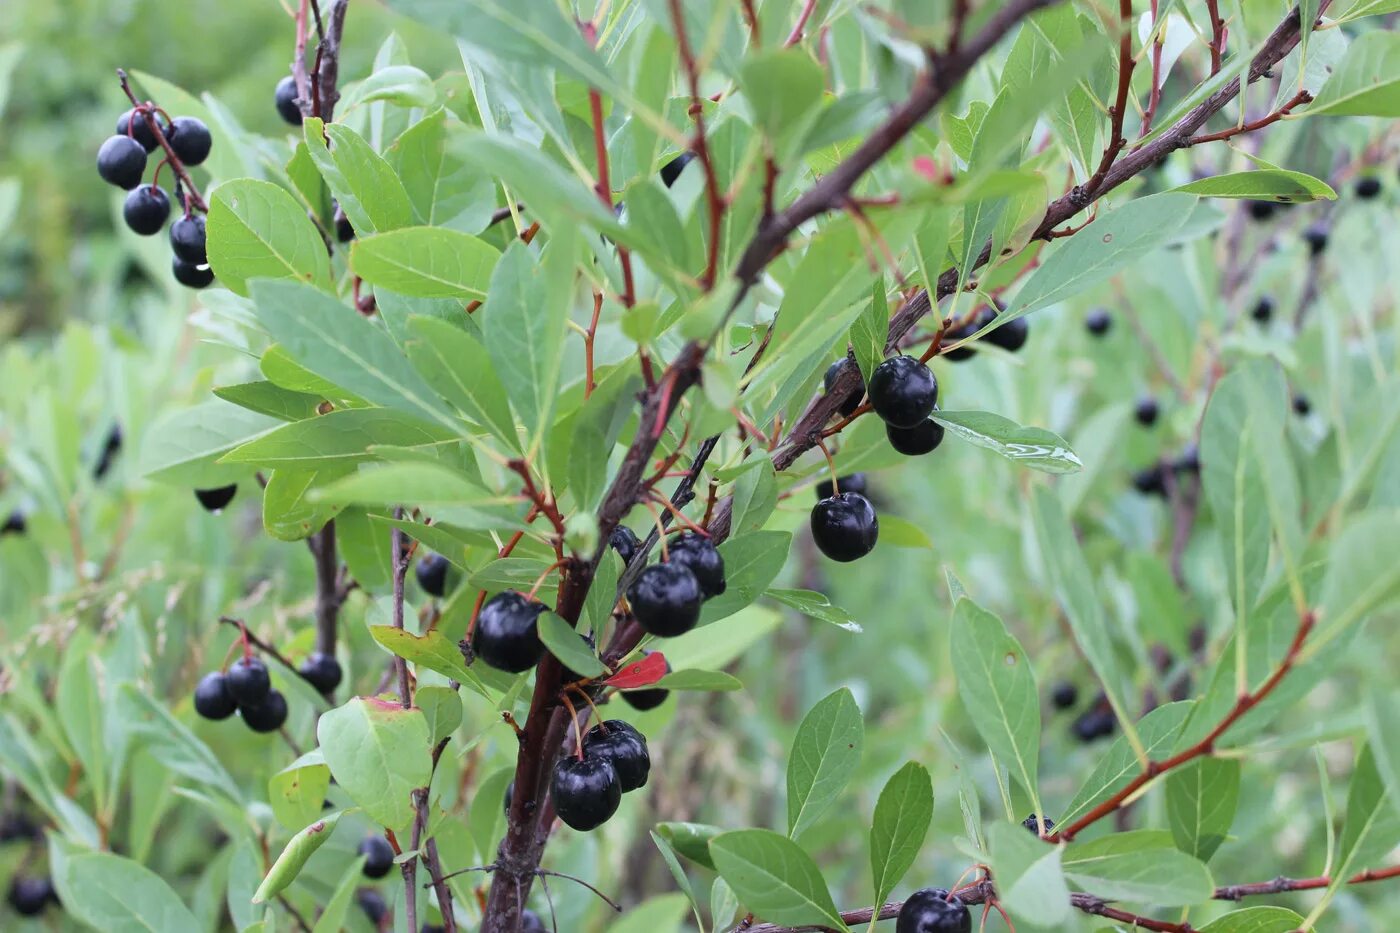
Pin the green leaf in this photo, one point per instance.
(1201, 802)
(774, 878)
(1120, 765)
(825, 753)
(691, 840)
(399, 84)
(1366, 83)
(897, 831)
(298, 849)
(183, 447)
(755, 495)
(442, 707)
(1256, 920)
(998, 690)
(289, 512)
(443, 190)
(1030, 882)
(868, 333)
(298, 790)
(751, 563)
(426, 262)
(815, 605)
(660, 914)
(1362, 575)
(705, 681)
(1372, 826)
(111, 893)
(782, 87)
(364, 185)
(1036, 448)
(713, 646)
(456, 364)
(565, 644)
(432, 650)
(332, 918)
(378, 753)
(1142, 866)
(341, 437)
(443, 491)
(270, 399)
(258, 231)
(901, 532)
(1274, 184)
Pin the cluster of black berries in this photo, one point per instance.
(245, 688)
(122, 162)
(933, 910)
(666, 597)
(587, 787)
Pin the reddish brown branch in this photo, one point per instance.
(699, 143)
(1302, 97)
(1126, 63)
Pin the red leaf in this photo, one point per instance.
(640, 673)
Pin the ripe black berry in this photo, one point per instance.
(530, 922)
(379, 856)
(1264, 310)
(1189, 461)
(1099, 321)
(373, 904)
(1094, 724)
(187, 239)
(121, 161)
(111, 446)
(29, 896)
(267, 716)
(912, 442)
(845, 527)
(1262, 210)
(287, 105)
(506, 637)
(625, 542)
(322, 671)
(141, 132)
(699, 554)
(1146, 411)
(1033, 825)
(649, 697)
(1316, 238)
(903, 391)
(190, 139)
(15, 524)
(933, 910)
(1012, 335)
(666, 599)
(432, 574)
(672, 170)
(586, 791)
(1150, 481)
(212, 699)
(216, 499)
(1064, 695)
(978, 321)
(248, 681)
(620, 743)
(1301, 405)
(191, 276)
(146, 210)
(849, 406)
(1368, 187)
(18, 826)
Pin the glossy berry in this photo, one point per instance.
(248, 681)
(530, 922)
(699, 554)
(1033, 825)
(190, 275)
(1316, 238)
(903, 391)
(506, 637)
(1368, 187)
(845, 527)
(913, 442)
(625, 542)
(322, 671)
(190, 139)
(379, 856)
(620, 743)
(216, 499)
(146, 210)
(648, 697)
(586, 791)
(141, 132)
(373, 904)
(981, 319)
(1146, 411)
(432, 574)
(344, 230)
(1064, 695)
(1012, 335)
(267, 716)
(1301, 405)
(849, 406)
(15, 523)
(672, 170)
(666, 599)
(856, 482)
(121, 161)
(1263, 311)
(933, 910)
(1098, 321)
(212, 699)
(29, 896)
(1150, 481)
(1094, 724)
(1262, 210)
(111, 446)
(187, 239)
(286, 96)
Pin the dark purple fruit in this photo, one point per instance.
(379, 856)
(586, 791)
(903, 391)
(1099, 321)
(530, 922)
(141, 132)
(267, 716)
(212, 698)
(1094, 724)
(1262, 210)
(190, 275)
(1301, 405)
(1189, 460)
(981, 319)
(1034, 826)
(849, 406)
(648, 697)
(432, 574)
(286, 97)
(29, 896)
(111, 446)
(620, 743)
(248, 681)
(121, 161)
(1146, 411)
(913, 442)
(1012, 335)
(146, 210)
(15, 524)
(666, 599)
(1368, 187)
(698, 553)
(933, 910)
(1064, 695)
(373, 904)
(506, 636)
(188, 241)
(322, 671)
(1263, 310)
(672, 169)
(856, 482)
(1316, 238)
(215, 499)
(190, 139)
(845, 527)
(625, 542)
(1150, 481)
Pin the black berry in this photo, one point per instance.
(190, 139)
(1368, 187)
(620, 743)
(379, 856)
(672, 170)
(216, 499)
(322, 671)
(648, 697)
(506, 636)
(1263, 311)
(29, 896)
(981, 319)
(903, 391)
(1064, 695)
(1189, 461)
(1099, 321)
(248, 681)
(625, 542)
(15, 524)
(121, 161)
(1094, 724)
(267, 716)
(1316, 238)
(933, 910)
(111, 446)
(1012, 335)
(699, 554)
(849, 406)
(191, 276)
(845, 527)
(373, 904)
(287, 104)
(586, 791)
(432, 574)
(666, 599)
(18, 826)
(141, 132)
(212, 699)
(530, 922)
(344, 230)
(1034, 826)
(1146, 411)
(912, 442)
(146, 210)
(1150, 481)
(1262, 210)
(187, 239)
(1301, 405)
